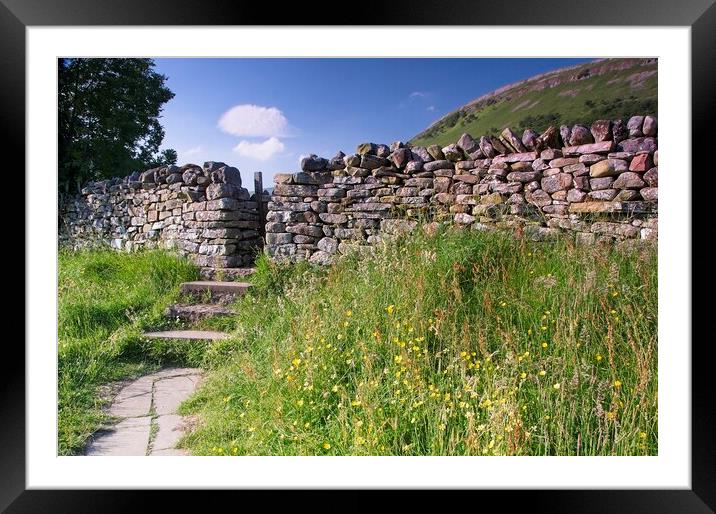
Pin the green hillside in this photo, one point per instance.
(608, 88)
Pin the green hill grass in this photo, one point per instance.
(604, 89)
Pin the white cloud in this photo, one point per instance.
(431, 108)
(259, 151)
(416, 97)
(254, 121)
(192, 151)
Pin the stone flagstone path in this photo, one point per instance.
(149, 423)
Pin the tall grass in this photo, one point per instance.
(460, 343)
(105, 300)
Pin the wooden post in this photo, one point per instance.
(259, 194)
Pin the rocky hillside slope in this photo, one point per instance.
(602, 89)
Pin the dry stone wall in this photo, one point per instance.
(597, 182)
(201, 211)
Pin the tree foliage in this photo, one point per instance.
(109, 113)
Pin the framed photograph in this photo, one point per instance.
(417, 251)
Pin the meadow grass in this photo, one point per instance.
(105, 300)
(457, 343)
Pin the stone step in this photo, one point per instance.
(192, 335)
(225, 273)
(195, 312)
(215, 287)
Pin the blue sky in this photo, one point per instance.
(264, 114)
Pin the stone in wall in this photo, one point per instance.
(546, 184)
(201, 211)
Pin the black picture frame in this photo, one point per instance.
(17, 15)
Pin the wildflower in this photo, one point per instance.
(544, 345)
(502, 304)
(599, 357)
(349, 313)
(326, 446)
(556, 386)
(296, 362)
(642, 435)
(299, 403)
(523, 375)
(334, 388)
(542, 373)
(360, 441)
(610, 415)
(617, 383)
(389, 309)
(441, 426)
(398, 359)
(356, 403)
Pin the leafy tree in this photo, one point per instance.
(109, 113)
